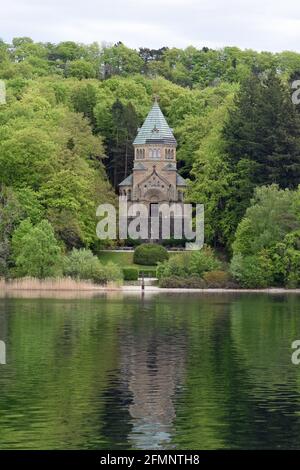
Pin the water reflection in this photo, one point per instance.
(163, 371)
(152, 369)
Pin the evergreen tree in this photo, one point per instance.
(120, 149)
(261, 142)
(264, 128)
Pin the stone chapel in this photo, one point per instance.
(154, 178)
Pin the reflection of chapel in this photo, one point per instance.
(154, 178)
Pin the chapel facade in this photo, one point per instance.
(154, 178)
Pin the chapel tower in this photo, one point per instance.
(154, 178)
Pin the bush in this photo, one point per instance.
(285, 257)
(132, 242)
(130, 274)
(252, 271)
(82, 264)
(174, 243)
(186, 264)
(178, 282)
(149, 254)
(216, 279)
(109, 272)
(203, 261)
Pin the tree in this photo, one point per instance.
(80, 69)
(120, 60)
(120, 149)
(264, 128)
(84, 100)
(267, 240)
(36, 250)
(271, 215)
(82, 264)
(285, 257)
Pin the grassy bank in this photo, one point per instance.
(125, 259)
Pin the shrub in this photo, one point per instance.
(130, 274)
(285, 258)
(149, 254)
(82, 264)
(111, 272)
(174, 242)
(203, 261)
(133, 242)
(216, 279)
(186, 264)
(177, 265)
(252, 271)
(178, 282)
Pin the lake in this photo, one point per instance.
(166, 371)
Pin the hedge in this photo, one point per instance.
(130, 274)
(149, 254)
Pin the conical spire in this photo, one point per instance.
(155, 128)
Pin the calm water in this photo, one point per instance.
(163, 372)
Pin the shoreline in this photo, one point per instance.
(148, 289)
(71, 286)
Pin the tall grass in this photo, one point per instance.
(66, 283)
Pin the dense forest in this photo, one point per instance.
(72, 111)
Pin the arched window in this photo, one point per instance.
(169, 154)
(154, 153)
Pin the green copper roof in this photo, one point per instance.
(155, 129)
(179, 180)
(127, 181)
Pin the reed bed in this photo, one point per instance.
(66, 283)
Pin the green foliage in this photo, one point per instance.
(82, 264)
(270, 217)
(80, 69)
(35, 250)
(202, 261)
(15, 206)
(254, 141)
(187, 264)
(255, 271)
(149, 254)
(173, 282)
(285, 258)
(130, 274)
(216, 279)
(53, 162)
(266, 246)
(174, 243)
(63, 131)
